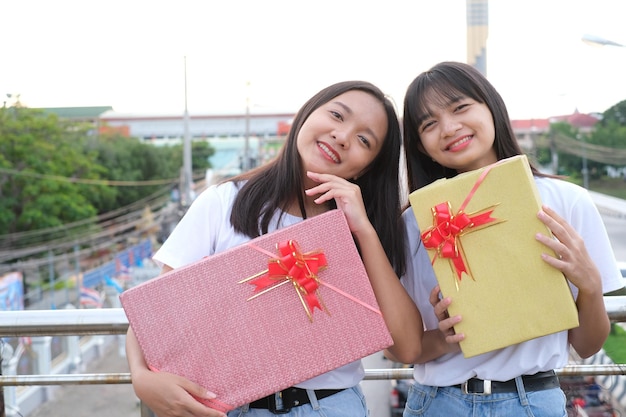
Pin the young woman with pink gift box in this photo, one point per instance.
(455, 121)
(342, 152)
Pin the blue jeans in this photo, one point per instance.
(427, 401)
(347, 403)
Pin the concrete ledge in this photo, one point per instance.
(609, 205)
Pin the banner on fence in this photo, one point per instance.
(11, 292)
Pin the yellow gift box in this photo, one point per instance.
(479, 228)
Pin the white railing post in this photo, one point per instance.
(43, 356)
(72, 347)
(43, 360)
(9, 400)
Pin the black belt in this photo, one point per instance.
(291, 397)
(537, 382)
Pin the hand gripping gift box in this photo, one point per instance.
(479, 229)
(258, 318)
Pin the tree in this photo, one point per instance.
(616, 113)
(54, 172)
(37, 163)
(562, 139)
(604, 146)
(130, 159)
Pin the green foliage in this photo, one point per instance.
(610, 134)
(35, 148)
(615, 114)
(543, 155)
(569, 164)
(615, 187)
(615, 345)
(200, 154)
(129, 159)
(604, 146)
(55, 172)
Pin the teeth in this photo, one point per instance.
(329, 152)
(465, 139)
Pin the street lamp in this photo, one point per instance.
(246, 148)
(186, 177)
(598, 41)
(585, 170)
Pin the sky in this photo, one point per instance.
(158, 57)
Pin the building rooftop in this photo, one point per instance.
(78, 112)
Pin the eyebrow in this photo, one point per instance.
(449, 101)
(349, 111)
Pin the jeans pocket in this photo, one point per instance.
(418, 399)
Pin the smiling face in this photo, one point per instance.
(343, 136)
(458, 133)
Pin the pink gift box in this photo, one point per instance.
(199, 321)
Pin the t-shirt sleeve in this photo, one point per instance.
(195, 234)
(419, 278)
(586, 219)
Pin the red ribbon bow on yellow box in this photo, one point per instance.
(444, 235)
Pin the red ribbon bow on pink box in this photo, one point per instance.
(296, 267)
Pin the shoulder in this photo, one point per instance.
(222, 194)
(556, 185)
(410, 222)
(563, 196)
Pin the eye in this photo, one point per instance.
(364, 140)
(336, 114)
(462, 106)
(426, 125)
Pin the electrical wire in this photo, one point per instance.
(113, 183)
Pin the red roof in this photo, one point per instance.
(540, 124)
(577, 120)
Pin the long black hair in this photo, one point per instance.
(446, 81)
(273, 186)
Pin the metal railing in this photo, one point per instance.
(113, 321)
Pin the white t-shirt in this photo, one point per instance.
(571, 202)
(205, 229)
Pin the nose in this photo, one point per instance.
(341, 137)
(450, 126)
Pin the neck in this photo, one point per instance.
(311, 208)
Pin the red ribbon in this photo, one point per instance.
(299, 268)
(445, 233)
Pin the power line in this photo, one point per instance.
(603, 154)
(113, 183)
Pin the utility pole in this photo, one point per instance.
(186, 174)
(246, 147)
(585, 170)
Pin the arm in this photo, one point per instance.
(578, 267)
(399, 312)
(167, 395)
(438, 342)
(398, 309)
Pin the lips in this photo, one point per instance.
(329, 152)
(461, 143)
